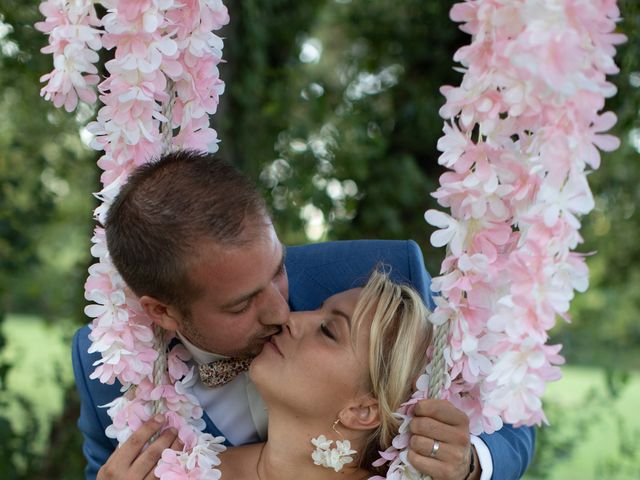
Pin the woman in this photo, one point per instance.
(332, 378)
(349, 364)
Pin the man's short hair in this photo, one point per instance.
(166, 210)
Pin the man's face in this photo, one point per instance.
(243, 294)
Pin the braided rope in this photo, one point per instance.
(167, 111)
(160, 365)
(160, 335)
(438, 366)
(438, 363)
(159, 370)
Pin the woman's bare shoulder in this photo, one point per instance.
(240, 462)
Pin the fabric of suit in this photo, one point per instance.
(315, 273)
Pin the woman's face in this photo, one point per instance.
(313, 366)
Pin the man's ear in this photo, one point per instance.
(161, 314)
(361, 414)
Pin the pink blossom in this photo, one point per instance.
(73, 41)
(176, 359)
(154, 40)
(520, 130)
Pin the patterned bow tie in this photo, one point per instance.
(220, 372)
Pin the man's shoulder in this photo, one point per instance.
(83, 366)
(317, 271)
(81, 339)
(365, 251)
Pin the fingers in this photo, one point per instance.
(129, 450)
(436, 469)
(446, 452)
(161, 444)
(146, 462)
(177, 444)
(441, 410)
(130, 462)
(439, 420)
(436, 430)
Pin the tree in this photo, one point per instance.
(332, 106)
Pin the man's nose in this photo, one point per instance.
(276, 308)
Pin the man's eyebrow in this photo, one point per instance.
(248, 296)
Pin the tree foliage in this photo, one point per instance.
(331, 105)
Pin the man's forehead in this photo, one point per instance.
(254, 234)
(226, 273)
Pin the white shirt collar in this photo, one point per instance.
(199, 356)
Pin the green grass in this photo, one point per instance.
(603, 418)
(577, 405)
(41, 357)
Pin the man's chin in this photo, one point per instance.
(254, 349)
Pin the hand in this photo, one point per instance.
(439, 420)
(129, 462)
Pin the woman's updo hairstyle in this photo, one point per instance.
(399, 338)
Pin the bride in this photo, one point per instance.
(332, 380)
(339, 372)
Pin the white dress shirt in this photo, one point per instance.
(235, 408)
(484, 457)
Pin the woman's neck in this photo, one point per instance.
(287, 453)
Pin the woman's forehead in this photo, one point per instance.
(345, 301)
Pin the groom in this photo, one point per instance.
(193, 239)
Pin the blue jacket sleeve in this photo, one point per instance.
(97, 447)
(511, 451)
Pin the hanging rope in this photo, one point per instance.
(167, 112)
(438, 365)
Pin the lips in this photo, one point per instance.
(272, 342)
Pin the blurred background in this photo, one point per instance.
(331, 106)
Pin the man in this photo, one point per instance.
(193, 239)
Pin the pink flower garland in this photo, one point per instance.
(520, 135)
(74, 39)
(520, 132)
(164, 70)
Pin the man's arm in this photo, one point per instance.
(511, 450)
(97, 447)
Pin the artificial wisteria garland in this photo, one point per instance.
(163, 84)
(520, 133)
(520, 137)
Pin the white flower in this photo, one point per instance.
(328, 457)
(452, 232)
(452, 145)
(512, 366)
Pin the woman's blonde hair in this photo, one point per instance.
(399, 338)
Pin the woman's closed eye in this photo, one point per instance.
(327, 331)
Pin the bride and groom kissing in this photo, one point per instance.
(332, 349)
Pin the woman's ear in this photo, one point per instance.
(362, 414)
(161, 314)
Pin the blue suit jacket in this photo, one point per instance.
(315, 273)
